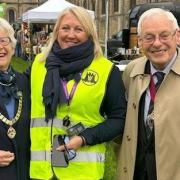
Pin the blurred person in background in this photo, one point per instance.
(19, 38)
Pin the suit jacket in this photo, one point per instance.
(145, 164)
(20, 145)
(166, 121)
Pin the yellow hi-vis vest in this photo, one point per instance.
(84, 107)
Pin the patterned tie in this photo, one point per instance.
(149, 120)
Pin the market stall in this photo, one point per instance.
(48, 12)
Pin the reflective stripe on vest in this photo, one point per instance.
(80, 156)
(57, 123)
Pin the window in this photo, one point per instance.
(93, 5)
(103, 6)
(116, 5)
(11, 16)
(84, 4)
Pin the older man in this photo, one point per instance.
(150, 147)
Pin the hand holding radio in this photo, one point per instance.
(67, 145)
(74, 143)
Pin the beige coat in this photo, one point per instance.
(166, 121)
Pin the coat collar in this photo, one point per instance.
(176, 65)
(140, 66)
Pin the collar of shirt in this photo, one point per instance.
(167, 68)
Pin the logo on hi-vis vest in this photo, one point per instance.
(90, 78)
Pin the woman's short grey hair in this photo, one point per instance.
(6, 27)
(157, 12)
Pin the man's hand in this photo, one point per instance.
(6, 157)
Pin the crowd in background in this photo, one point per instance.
(30, 43)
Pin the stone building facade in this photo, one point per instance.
(15, 8)
(118, 12)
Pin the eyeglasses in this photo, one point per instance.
(163, 37)
(4, 41)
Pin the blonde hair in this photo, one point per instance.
(88, 24)
(6, 27)
(157, 12)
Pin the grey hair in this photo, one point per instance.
(88, 24)
(5, 26)
(157, 12)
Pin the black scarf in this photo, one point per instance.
(8, 86)
(64, 63)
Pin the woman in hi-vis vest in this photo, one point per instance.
(14, 112)
(78, 102)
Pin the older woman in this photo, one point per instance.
(14, 112)
(78, 92)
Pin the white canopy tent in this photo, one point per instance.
(47, 12)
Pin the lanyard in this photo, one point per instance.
(71, 94)
(152, 89)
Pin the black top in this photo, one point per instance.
(20, 145)
(113, 108)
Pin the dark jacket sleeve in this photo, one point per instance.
(113, 108)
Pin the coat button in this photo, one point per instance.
(128, 137)
(125, 169)
(134, 105)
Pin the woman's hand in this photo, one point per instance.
(74, 143)
(6, 157)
